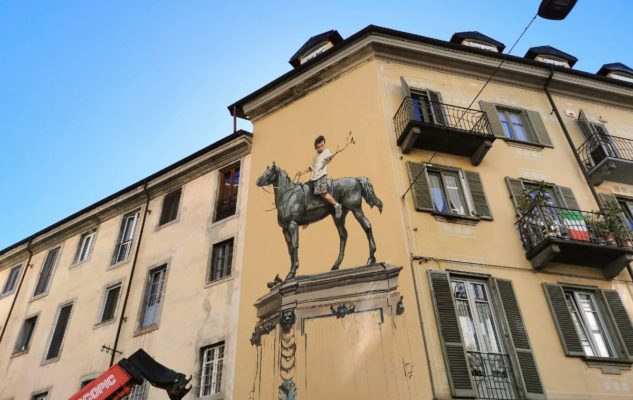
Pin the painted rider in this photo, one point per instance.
(322, 185)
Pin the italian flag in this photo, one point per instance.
(575, 222)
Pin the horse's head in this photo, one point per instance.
(269, 176)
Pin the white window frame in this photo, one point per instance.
(84, 248)
(212, 264)
(147, 297)
(603, 328)
(104, 300)
(13, 278)
(125, 237)
(464, 189)
(211, 367)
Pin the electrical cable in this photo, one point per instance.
(471, 103)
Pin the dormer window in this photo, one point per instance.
(552, 56)
(553, 60)
(314, 47)
(617, 71)
(480, 44)
(315, 51)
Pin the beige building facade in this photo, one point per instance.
(155, 266)
(515, 268)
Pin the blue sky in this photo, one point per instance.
(97, 95)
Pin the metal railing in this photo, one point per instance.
(543, 222)
(600, 146)
(441, 115)
(491, 375)
(226, 206)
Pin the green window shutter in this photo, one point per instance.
(437, 108)
(609, 198)
(478, 195)
(620, 319)
(519, 340)
(585, 126)
(420, 188)
(538, 128)
(493, 118)
(515, 187)
(562, 317)
(450, 335)
(568, 197)
(406, 90)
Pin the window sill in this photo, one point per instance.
(79, 263)
(455, 218)
(7, 294)
(147, 329)
(167, 224)
(118, 264)
(19, 353)
(104, 323)
(214, 223)
(523, 144)
(219, 281)
(52, 360)
(214, 396)
(39, 296)
(612, 366)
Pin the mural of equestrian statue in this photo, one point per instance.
(298, 205)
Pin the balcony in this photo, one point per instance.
(492, 376)
(225, 207)
(444, 128)
(607, 157)
(594, 239)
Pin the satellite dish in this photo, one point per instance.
(555, 9)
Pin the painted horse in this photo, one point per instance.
(297, 205)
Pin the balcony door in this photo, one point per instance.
(428, 107)
(489, 364)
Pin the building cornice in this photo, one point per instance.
(376, 42)
(217, 155)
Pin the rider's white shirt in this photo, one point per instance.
(319, 164)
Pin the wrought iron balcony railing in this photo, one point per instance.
(601, 147)
(547, 222)
(492, 376)
(226, 206)
(434, 126)
(439, 114)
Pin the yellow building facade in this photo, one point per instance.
(515, 283)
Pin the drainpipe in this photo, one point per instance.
(122, 318)
(17, 290)
(573, 149)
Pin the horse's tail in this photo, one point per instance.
(367, 189)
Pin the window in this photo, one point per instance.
(599, 143)
(46, 272)
(57, 337)
(86, 382)
(12, 280)
(553, 195)
(153, 296)
(126, 236)
(111, 297)
(428, 107)
(516, 124)
(227, 198)
(170, 207)
(84, 246)
(24, 338)
(627, 209)
(138, 392)
(211, 360)
(40, 396)
(592, 323)
(448, 191)
(221, 260)
(483, 336)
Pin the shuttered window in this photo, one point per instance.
(170, 207)
(59, 331)
(555, 195)
(46, 272)
(625, 204)
(482, 330)
(12, 280)
(448, 191)
(591, 323)
(516, 124)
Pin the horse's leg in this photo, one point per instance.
(289, 244)
(364, 222)
(342, 234)
(293, 231)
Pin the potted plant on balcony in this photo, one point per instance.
(616, 232)
(534, 204)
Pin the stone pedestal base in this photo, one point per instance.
(325, 335)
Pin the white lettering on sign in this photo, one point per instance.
(96, 391)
